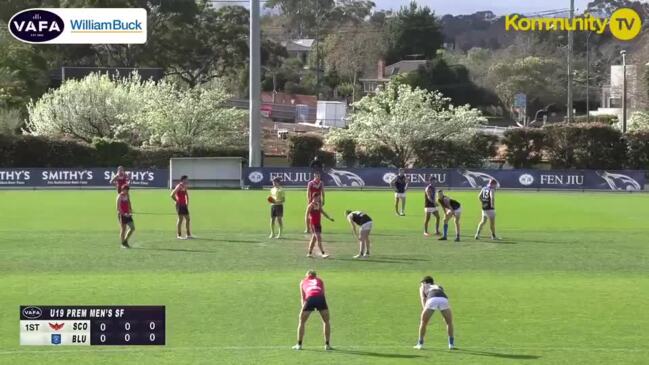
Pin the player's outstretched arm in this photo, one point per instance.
(351, 222)
(326, 215)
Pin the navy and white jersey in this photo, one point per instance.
(485, 198)
(400, 184)
(433, 291)
(428, 193)
(359, 218)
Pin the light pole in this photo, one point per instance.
(571, 40)
(254, 141)
(588, 76)
(623, 53)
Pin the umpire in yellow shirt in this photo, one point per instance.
(277, 199)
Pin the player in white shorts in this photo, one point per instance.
(400, 186)
(488, 202)
(452, 209)
(364, 223)
(434, 298)
(430, 207)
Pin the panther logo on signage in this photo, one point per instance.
(620, 181)
(256, 177)
(478, 179)
(388, 177)
(526, 179)
(345, 178)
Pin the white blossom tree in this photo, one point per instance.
(639, 121)
(399, 117)
(141, 113)
(182, 118)
(94, 107)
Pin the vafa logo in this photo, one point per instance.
(35, 25)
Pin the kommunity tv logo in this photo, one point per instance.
(624, 24)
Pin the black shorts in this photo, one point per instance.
(276, 210)
(316, 228)
(125, 219)
(182, 209)
(318, 303)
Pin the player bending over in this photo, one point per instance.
(364, 223)
(488, 201)
(313, 215)
(312, 294)
(120, 179)
(430, 207)
(452, 209)
(180, 196)
(125, 216)
(277, 208)
(433, 298)
(400, 185)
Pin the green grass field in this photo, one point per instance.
(568, 284)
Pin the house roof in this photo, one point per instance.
(299, 44)
(402, 67)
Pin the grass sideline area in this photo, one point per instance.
(567, 285)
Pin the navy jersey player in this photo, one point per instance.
(452, 209)
(488, 202)
(430, 207)
(400, 185)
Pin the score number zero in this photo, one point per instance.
(127, 327)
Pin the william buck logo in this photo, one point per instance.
(624, 24)
(36, 26)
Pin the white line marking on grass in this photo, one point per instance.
(504, 350)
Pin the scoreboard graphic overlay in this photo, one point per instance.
(42, 325)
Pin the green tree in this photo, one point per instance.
(213, 43)
(413, 31)
(451, 80)
(539, 78)
(352, 53)
(307, 18)
(23, 72)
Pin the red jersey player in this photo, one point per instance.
(181, 197)
(312, 295)
(125, 216)
(313, 215)
(315, 186)
(120, 179)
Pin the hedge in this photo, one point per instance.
(451, 154)
(31, 151)
(524, 146)
(637, 144)
(303, 148)
(585, 146)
